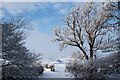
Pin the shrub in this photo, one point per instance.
(95, 69)
(15, 71)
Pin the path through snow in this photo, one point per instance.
(59, 72)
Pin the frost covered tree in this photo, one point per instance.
(18, 60)
(13, 48)
(91, 27)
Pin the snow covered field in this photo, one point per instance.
(59, 72)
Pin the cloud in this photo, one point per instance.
(41, 42)
(57, 5)
(61, 7)
(62, 11)
(42, 5)
(47, 19)
(16, 8)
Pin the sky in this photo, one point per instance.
(43, 16)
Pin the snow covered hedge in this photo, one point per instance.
(96, 69)
(15, 71)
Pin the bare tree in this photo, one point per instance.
(90, 28)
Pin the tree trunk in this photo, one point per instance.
(119, 5)
(85, 54)
(91, 52)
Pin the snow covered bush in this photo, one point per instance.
(19, 59)
(15, 71)
(96, 69)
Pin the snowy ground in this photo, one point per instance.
(59, 72)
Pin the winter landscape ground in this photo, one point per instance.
(59, 72)
(59, 65)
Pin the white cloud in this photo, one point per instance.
(61, 7)
(62, 11)
(48, 19)
(41, 42)
(16, 8)
(57, 5)
(42, 5)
